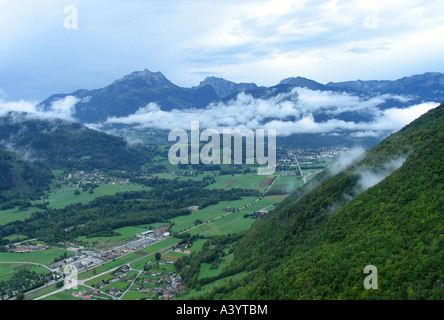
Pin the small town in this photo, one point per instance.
(84, 259)
(89, 180)
(310, 156)
(154, 279)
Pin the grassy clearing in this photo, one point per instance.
(121, 285)
(182, 223)
(138, 265)
(40, 292)
(197, 245)
(245, 181)
(232, 228)
(95, 281)
(15, 214)
(214, 269)
(172, 256)
(8, 270)
(15, 237)
(65, 197)
(66, 295)
(132, 295)
(194, 294)
(225, 224)
(45, 257)
(181, 178)
(287, 184)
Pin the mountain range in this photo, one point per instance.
(134, 91)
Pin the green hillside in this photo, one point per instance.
(19, 179)
(61, 144)
(316, 243)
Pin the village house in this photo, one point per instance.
(114, 292)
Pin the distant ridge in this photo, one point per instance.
(225, 88)
(136, 90)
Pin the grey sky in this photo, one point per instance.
(243, 41)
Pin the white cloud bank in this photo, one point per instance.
(370, 176)
(288, 113)
(62, 109)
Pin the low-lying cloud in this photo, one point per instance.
(289, 113)
(368, 177)
(60, 109)
(346, 159)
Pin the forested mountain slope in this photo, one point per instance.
(19, 179)
(316, 244)
(61, 144)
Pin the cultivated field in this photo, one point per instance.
(65, 197)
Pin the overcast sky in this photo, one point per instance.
(243, 41)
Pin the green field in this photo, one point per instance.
(15, 237)
(225, 224)
(232, 228)
(194, 293)
(40, 292)
(286, 184)
(182, 223)
(95, 281)
(212, 270)
(15, 214)
(65, 197)
(181, 178)
(197, 245)
(245, 181)
(45, 257)
(122, 285)
(132, 295)
(67, 294)
(19, 260)
(7, 270)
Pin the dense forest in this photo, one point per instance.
(316, 243)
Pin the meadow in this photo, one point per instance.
(45, 257)
(18, 261)
(183, 223)
(286, 185)
(65, 197)
(245, 181)
(15, 214)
